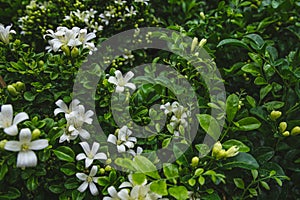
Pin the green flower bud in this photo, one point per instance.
(286, 133)
(102, 171)
(2, 144)
(194, 44)
(202, 42)
(217, 147)
(74, 52)
(108, 161)
(295, 131)
(65, 49)
(41, 63)
(202, 15)
(195, 161)
(221, 154)
(35, 134)
(282, 127)
(20, 86)
(108, 168)
(232, 151)
(275, 115)
(12, 90)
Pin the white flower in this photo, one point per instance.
(142, 1)
(26, 157)
(90, 154)
(168, 108)
(123, 139)
(4, 33)
(120, 2)
(116, 195)
(179, 117)
(89, 181)
(131, 12)
(7, 122)
(84, 37)
(139, 151)
(68, 135)
(122, 82)
(63, 108)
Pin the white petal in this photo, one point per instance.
(128, 76)
(107, 198)
(81, 176)
(86, 147)
(112, 191)
(101, 156)
(129, 144)
(13, 146)
(113, 80)
(80, 156)
(123, 194)
(12, 130)
(125, 184)
(95, 148)
(88, 162)
(58, 110)
(132, 139)
(74, 103)
(39, 144)
(93, 189)
(112, 139)
(63, 138)
(131, 86)
(26, 159)
(7, 113)
(119, 89)
(84, 134)
(93, 171)
(25, 135)
(134, 193)
(118, 75)
(20, 117)
(121, 148)
(62, 105)
(83, 187)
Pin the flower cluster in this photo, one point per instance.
(63, 38)
(76, 117)
(122, 82)
(179, 115)
(218, 152)
(26, 156)
(5, 33)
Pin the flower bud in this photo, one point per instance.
(102, 171)
(65, 49)
(275, 115)
(202, 15)
(232, 151)
(286, 133)
(194, 44)
(35, 134)
(295, 131)
(2, 144)
(108, 168)
(282, 127)
(108, 161)
(74, 52)
(20, 86)
(12, 90)
(221, 154)
(217, 147)
(195, 161)
(202, 42)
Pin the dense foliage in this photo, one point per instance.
(49, 149)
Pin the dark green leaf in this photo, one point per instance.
(64, 153)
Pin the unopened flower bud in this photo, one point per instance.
(286, 133)
(195, 161)
(65, 49)
(282, 127)
(108, 168)
(108, 161)
(12, 90)
(20, 86)
(2, 144)
(221, 154)
(102, 171)
(217, 147)
(275, 115)
(295, 131)
(232, 151)
(202, 42)
(202, 15)
(194, 44)
(35, 134)
(74, 52)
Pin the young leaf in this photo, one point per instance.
(179, 192)
(210, 125)
(144, 165)
(159, 187)
(239, 183)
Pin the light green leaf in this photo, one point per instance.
(233, 42)
(239, 183)
(159, 187)
(144, 165)
(247, 124)
(179, 192)
(210, 125)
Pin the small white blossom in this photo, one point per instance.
(139, 151)
(122, 82)
(114, 195)
(63, 108)
(84, 37)
(90, 154)
(26, 157)
(120, 2)
(4, 33)
(8, 122)
(124, 140)
(168, 108)
(142, 1)
(88, 181)
(130, 12)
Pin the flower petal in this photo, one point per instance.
(39, 144)
(62, 106)
(112, 139)
(95, 148)
(125, 184)
(83, 186)
(131, 86)
(119, 89)
(93, 189)
(84, 134)
(101, 156)
(81, 156)
(93, 171)
(86, 147)
(81, 176)
(112, 191)
(128, 76)
(13, 146)
(7, 113)
(26, 159)
(25, 135)
(113, 80)
(123, 194)
(119, 75)
(12, 130)
(88, 162)
(20, 117)
(121, 148)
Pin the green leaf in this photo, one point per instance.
(273, 105)
(68, 169)
(253, 191)
(265, 91)
(144, 165)
(29, 96)
(138, 178)
(260, 81)
(210, 125)
(65, 153)
(159, 187)
(232, 104)
(251, 101)
(201, 180)
(3, 171)
(233, 42)
(76, 195)
(254, 173)
(258, 42)
(170, 170)
(242, 147)
(71, 183)
(179, 192)
(32, 183)
(103, 181)
(56, 189)
(179, 150)
(265, 185)
(203, 149)
(251, 69)
(256, 58)
(125, 163)
(12, 193)
(239, 183)
(242, 160)
(248, 124)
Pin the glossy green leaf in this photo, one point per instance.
(232, 104)
(178, 192)
(242, 160)
(64, 153)
(248, 124)
(159, 187)
(210, 125)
